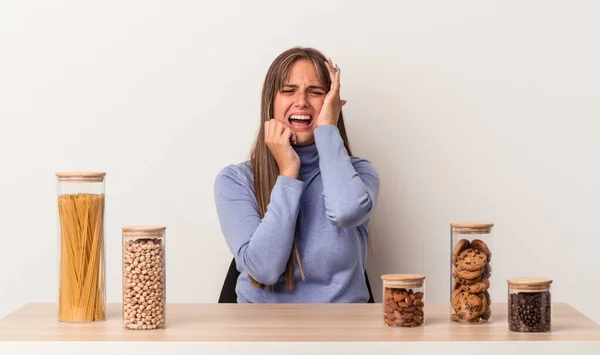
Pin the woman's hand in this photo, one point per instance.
(332, 105)
(278, 137)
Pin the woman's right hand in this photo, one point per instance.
(278, 137)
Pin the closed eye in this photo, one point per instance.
(287, 91)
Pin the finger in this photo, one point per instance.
(344, 102)
(331, 65)
(335, 68)
(268, 130)
(278, 129)
(286, 136)
(272, 135)
(334, 76)
(335, 83)
(294, 136)
(330, 68)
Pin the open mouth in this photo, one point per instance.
(300, 121)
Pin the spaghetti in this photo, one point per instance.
(81, 284)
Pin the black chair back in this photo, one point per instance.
(228, 294)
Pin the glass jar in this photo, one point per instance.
(403, 300)
(81, 224)
(529, 305)
(471, 270)
(144, 278)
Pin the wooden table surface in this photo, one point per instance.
(287, 323)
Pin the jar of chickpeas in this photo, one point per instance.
(144, 291)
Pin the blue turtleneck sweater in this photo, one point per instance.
(326, 211)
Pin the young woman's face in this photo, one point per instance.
(300, 100)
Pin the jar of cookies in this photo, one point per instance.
(144, 291)
(471, 270)
(529, 305)
(403, 300)
(81, 225)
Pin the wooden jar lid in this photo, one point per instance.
(471, 227)
(81, 176)
(145, 231)
(410, 280)
(529, 284)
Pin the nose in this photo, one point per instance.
(301, 99)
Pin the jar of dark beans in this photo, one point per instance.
(529, 305)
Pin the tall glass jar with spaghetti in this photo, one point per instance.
(81, 291)
(144, 275)
(471, 269)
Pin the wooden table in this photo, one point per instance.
(290, 329)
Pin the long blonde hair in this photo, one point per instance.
(264, 165)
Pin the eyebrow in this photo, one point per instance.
(310, 87)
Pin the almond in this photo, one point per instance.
(407, 316)
(419, 295)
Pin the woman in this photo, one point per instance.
(296, 215)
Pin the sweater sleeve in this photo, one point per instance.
(350, 185)
(261, 246)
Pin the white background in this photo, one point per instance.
(470, 110)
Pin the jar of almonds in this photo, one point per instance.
(144, 278)
(403, 300)
(471, 270)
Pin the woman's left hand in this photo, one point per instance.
(332, 105)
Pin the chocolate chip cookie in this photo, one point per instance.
(477, 287)
(462, 244)
(488, 312)
(459, 280)
(479, 244)
(487, 271)
(472, 259)
(466, 274)
(468, 306)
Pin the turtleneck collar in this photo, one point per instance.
(309, 157)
